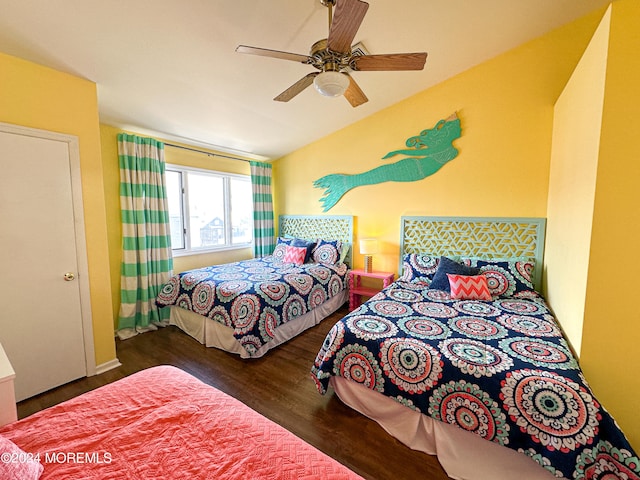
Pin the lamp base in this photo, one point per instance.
(368, 263)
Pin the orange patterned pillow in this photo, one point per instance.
(464, 287)
(294, 255)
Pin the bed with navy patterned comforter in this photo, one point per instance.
(499, 368)
(254, 297)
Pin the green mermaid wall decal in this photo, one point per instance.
(428, 152)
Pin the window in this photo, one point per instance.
(208, 210)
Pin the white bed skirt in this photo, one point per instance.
(463, 455)
(214, 334)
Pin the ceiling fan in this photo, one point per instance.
(334, 58)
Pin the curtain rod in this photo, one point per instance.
(206, 153)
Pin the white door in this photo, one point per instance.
(42, 328)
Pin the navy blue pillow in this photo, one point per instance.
(441, 281)
(308, 244)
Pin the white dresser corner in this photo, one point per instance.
(8, 410)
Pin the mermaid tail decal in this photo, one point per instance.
(428, 152)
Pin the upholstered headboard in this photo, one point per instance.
(485, 237)
(312, 227)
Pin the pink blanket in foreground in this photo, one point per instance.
(162, 423)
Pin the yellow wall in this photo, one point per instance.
(175, 156)
(574, 162)
(505, 107)
(611, 333)
(506, 110)
(38, 97)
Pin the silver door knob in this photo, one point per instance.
(69, 276)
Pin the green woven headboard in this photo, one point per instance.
(485, 237)
(312, 227)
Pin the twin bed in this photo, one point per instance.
(486, 385)
(158, 424)
(252, 306)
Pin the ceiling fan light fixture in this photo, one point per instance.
(331, 84)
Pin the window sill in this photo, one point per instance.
(183, 253)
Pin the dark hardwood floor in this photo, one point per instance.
(279, 386)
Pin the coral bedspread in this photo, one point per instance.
(162, 423)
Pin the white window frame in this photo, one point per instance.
(185, 211)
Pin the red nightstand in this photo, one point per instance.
(357, 291)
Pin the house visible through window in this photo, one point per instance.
(208, 210)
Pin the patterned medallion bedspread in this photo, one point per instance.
(254, 297)
(501, 369)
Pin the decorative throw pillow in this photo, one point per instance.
(445, 266)
(465, 287)
(309, 245)
(418, 267)
(24, 468)
(506, 277)
(294, 255)
(281, 248)
(327, 252)
(344, 252)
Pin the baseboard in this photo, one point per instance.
(104, 367)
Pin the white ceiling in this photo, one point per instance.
(169, 67)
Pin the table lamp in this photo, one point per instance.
(368, 246)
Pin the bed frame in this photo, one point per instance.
(485, 237)
(312, 227)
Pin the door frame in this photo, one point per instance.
(80, 237)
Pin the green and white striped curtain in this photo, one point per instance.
(263, 228)
(147, 262)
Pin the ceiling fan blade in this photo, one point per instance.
(392, 61)
(345, 24)
(296, 88)
(265, 52)
(354, 93)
